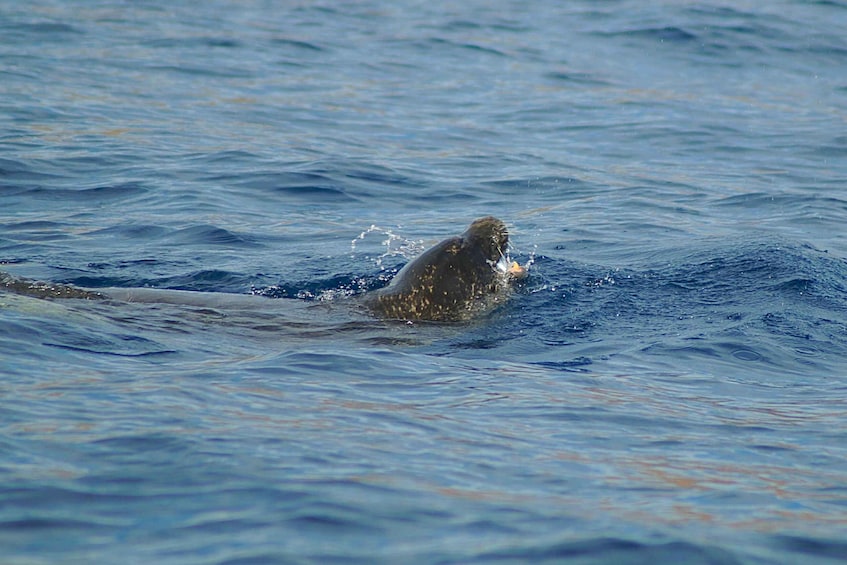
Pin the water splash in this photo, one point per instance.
(506, 264)
(394, 245)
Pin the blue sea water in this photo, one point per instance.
(669, 385)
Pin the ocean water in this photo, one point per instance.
(669, 385)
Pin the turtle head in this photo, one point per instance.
(490, 235)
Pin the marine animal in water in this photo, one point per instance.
(454, 280)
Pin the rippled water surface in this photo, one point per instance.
(669, 385)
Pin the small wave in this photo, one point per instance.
(204, 71)
(40, 31)
(199, 235)
(760, 303)
(671, 34)
(211, 235)
(811, 547)
(17, 171)
(442, 44)
(312, 186)
(34, 226)
(297, 44)
(103, 193)
(138, 232)
(577, 78)
(202, 42)
(102, 343)
(615, 550)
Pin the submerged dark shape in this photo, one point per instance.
(39, 289)
(452, 280)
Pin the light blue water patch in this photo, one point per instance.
(666, 386)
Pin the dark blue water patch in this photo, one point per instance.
(13, 172)
(613, 550)
(209, 166)
(499, 23)
(203, 71)
(139, 275)
(65, 519)
(729, 37)
(138, 449)
(726, 28)
(756, 203)
(16, 334)
(308, 277)
(837, 148)
(202, 43)
(34, 525)
(365, 175)
(441, 44)
(52, 329)
(121, 345)
(312, 187)
(834, 49)
(297, 45)
(671, 34)
(774, 309)
(126, 274)
(808, 547)
(576, 78)
(36, 230)
(37, 114)
(340, 181)
(553, 188)
(209, 280)
(315, 193)
(33, 225)
(136, 232)
(320, 288)
(577, 365)
(93, 195)
(199, 236)
(45, 31)
(208, 235)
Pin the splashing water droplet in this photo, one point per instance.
(394, 245)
